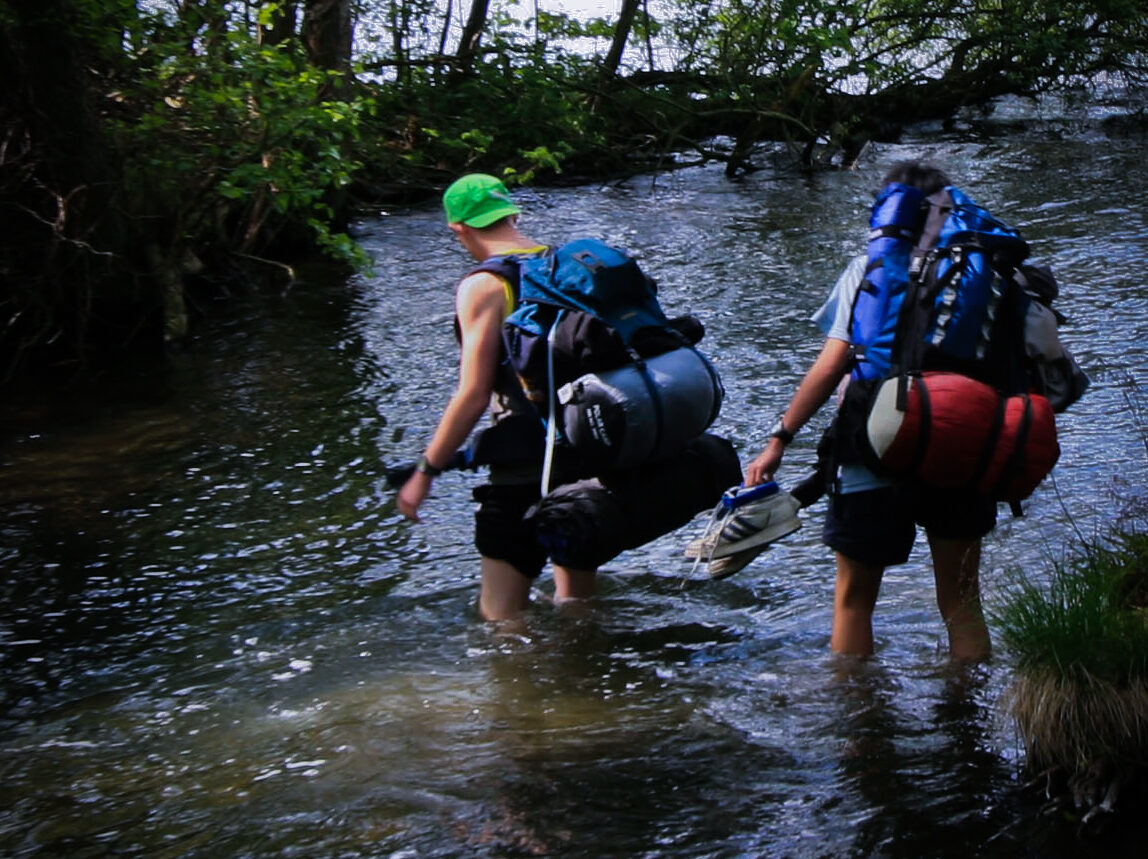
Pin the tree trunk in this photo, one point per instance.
(443, 38)
(621, 36)
(326, 33)
(398, 17)
(471, 36)
(69, 261)
(47, 90)
(649, 37)
(283, 21)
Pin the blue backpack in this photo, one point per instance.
(616, 381)
(941, 274)
(947, 289)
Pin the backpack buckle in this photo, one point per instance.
(919, 262)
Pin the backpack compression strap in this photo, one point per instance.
(508, 267)
(924, 287)
(1015, 464)
(908, 342)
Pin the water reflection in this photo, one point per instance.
(219, 638)
(918, 751)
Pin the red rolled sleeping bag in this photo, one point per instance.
(957, 432)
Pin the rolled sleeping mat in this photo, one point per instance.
(894, 224)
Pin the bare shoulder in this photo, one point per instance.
(480, 302)
(479, 288)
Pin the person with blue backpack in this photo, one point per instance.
(933, 299)
(484, 218)
(587, 382)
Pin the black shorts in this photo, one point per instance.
(499, 530)
(878, 526)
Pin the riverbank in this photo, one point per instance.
(1079, 643)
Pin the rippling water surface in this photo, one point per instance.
(218, 638)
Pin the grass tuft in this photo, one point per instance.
(1080, 644)
(1090, 620)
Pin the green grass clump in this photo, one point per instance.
(1090, 620)
(1080, 644)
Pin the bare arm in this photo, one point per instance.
(480, 304)
(820, 381)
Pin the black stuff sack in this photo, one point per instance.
(587, 523)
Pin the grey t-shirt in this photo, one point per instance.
(833, 318)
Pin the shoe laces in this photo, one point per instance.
(730, 501)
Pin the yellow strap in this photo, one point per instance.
(509, 299)
(506, 288)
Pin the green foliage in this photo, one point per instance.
(203, 139)
(560, 25)
(539, 158)
(855, 46)
(521, 111)
(234, 144)
(1089, 621)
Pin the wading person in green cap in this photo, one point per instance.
(482, 215)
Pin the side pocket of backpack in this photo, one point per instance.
(1055, 372)
(524, 337)
(850, 439)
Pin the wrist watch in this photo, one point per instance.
(423, 466)
(779, 431)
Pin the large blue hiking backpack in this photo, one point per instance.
(941, 272)
(617, 382)
(949, 306)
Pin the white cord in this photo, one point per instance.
(551, 427)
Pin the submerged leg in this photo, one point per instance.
(854, 597)
(504, 593)
(956, 567)
(570, 584)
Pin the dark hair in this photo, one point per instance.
(926, 177)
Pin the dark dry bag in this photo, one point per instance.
(640, 412)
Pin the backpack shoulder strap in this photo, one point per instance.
(508, 268)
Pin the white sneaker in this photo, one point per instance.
(730, 564)
(746, 518)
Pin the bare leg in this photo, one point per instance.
(505, 592)
(573, 584)
(854, 598)
(956, 567)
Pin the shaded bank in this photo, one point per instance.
(153, 158)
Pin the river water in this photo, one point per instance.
(218, 638)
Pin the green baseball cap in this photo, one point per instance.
(477, 200)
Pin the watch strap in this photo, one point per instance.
(780, 432)
(423, 466)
